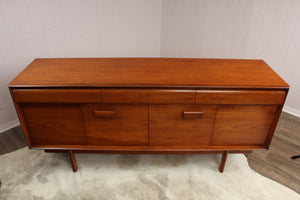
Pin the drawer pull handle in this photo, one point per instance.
(192, 115)
(104, 114)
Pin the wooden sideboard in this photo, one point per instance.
(148, 105)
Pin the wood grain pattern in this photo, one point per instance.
(128, 127)
(168, 127)
(240, 97)
(243, 125)
(50, 124)
(57, 95)
(148, 72)
(148, 96)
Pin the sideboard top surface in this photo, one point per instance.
(149, 72)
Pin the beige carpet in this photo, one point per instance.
(29, 174)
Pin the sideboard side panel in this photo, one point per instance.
(275, 122)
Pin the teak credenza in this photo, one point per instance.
(148, 105)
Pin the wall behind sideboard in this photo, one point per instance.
(72, 28)
(262, 29)
(252, 29)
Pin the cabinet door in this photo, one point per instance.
(243, 125)
(54, 124)
(113, 124)
(181, 124)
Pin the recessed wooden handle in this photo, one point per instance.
(104, 114)
(192, 115)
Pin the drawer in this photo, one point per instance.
(57, 95)
(240, 97)
(181, 124)
(243, 125)
(148, 96)
(113, 125)
(54, 124)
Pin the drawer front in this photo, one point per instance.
(148, 96)
(57, 95)
(112, 125)
(240, 97)
(243, 125)
(181, 125)
(54, 124)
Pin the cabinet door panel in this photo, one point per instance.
(243, 125)
(113, 124)
(181, 124)
(54, 124)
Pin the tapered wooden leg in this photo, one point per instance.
(73, 160)
(223, 161)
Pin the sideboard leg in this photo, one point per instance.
(73, 160)
(223, 161)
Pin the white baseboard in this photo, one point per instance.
(291, 111)
(9, 125)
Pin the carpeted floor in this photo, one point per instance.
(35, 175)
